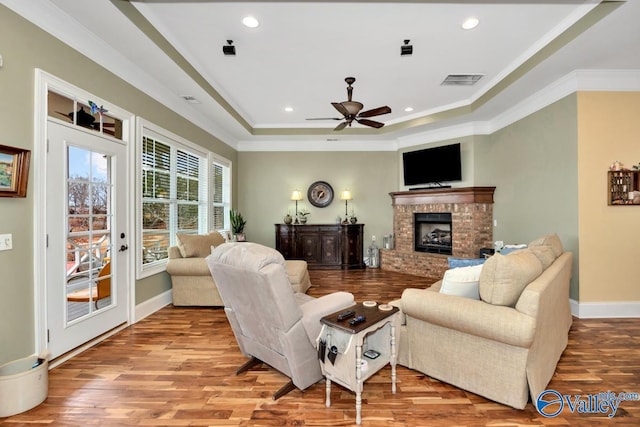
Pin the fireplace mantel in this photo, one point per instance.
(443, 195)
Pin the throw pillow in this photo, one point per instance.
(464, 262)
(197, 245)
(551, 240)
(462, 281)
(507, 249)
(504, 277)
(545, 255)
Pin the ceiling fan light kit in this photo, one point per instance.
(350, 111)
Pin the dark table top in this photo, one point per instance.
(373, 315)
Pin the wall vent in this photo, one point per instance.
(191, 99)
(461, 79)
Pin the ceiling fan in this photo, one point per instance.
(87, 120)
(351, 111)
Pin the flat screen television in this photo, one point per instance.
(432, 165)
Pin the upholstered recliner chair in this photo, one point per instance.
(271, 322)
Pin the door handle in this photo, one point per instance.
(123, 248)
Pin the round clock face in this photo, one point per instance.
(320, 194)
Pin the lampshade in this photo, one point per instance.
(346, 195)
(296, 195)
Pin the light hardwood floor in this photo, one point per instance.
(176, 368)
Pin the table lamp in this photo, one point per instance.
(346, 196)
(296, 195)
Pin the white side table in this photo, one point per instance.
(351, 342)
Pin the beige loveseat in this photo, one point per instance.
(191, 280)
(504, 346)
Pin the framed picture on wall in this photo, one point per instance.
(14, 171)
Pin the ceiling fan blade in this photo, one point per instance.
(326, 118)
(371, 123)
(375, 112)
(341, 108)
(341, 126)
(68, 116)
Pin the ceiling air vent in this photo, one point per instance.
(461, 79)
(191, 99)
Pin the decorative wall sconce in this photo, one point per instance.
(296, 195)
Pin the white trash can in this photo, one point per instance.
(24, 384)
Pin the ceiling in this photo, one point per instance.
(301, 52)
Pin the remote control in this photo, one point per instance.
(371, 354)
(357, 320)
(346, 315)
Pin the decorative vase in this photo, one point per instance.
(288, 219)
(353, 220)
(303, 220)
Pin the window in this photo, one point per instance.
(86, 114)
(173, 195)
(221, 197)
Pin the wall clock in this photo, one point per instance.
(320, 194)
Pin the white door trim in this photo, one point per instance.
(43, 83)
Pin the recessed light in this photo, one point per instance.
(470, 23)
(408, 109)
(250, 21)
(288, 109)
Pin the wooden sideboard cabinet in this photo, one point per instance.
(322, 245)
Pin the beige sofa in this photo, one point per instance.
(504, 346)
(191, 280)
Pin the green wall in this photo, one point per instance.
(268, 178)
(533, 164)
(24, 47)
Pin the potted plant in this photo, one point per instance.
(237, 225)
(303, 216)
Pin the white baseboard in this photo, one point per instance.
(598, 310)
(152, 305)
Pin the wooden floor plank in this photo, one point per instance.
(177, 368)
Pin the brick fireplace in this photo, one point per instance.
(471, 210)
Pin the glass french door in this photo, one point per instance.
(86, 236)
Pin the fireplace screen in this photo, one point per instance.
(433, 233)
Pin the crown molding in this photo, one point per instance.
(54, 21)
(330, 144)
(576, 81)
